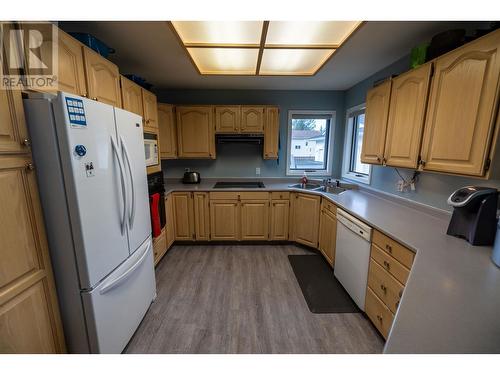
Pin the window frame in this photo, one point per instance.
(348, 144)
(329, 157)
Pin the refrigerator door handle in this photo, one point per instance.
(118, 280)
(127, 159)
(122, 178)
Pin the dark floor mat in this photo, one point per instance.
(323, 292)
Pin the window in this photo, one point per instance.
(352, 168)
(310, 140)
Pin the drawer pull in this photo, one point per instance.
(389, 248)
(383, 287)
(387, 264)
(379, 318)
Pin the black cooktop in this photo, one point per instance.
(239, 184)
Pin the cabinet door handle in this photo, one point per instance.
(379, 318)
(389, 248)
(384, 288)
(95, 98)
(30, 167)
(387, 264)
(26, 142)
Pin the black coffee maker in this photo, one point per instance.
(474, 214)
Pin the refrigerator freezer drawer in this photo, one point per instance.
(115, 307)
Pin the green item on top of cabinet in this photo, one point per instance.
(418, 55)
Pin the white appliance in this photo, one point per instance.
(91, 171)
(352, 256)
(151, 149)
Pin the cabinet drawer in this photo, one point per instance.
(329, 206)
(386, 287)
(280, 195)
(239, 195)
(378, 313)
(398, 251)
(390, 264)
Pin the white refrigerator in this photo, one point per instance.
(91, 170)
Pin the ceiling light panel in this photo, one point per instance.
(309, 33)
(293, 61)
(219, 33)
(225, 60)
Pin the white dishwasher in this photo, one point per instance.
(352, 256)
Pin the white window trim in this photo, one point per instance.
(346, 159)
(329, 161)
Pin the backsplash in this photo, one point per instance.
(240, 160)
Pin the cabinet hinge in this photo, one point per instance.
(487, 164)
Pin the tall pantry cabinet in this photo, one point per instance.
(29, 312)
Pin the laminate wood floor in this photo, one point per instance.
(242, 299)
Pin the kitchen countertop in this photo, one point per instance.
(451, 302)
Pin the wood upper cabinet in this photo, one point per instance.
(227, 119)
(29, 315)
(280, 211)
(103, 78)
(252, 119)
(183, 216)
(71, 69)
(167, 131)
(131, 96)
(255, 220)
(225, 219)
(462, 108)
(327, 235)
(377, 112)
(406, 117)
(201, 216)
(150, 107)
(271, 133)
(13, 131)
(195, 132)
(306, 218)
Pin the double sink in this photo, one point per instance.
(318, 187)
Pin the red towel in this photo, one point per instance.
(155, 214)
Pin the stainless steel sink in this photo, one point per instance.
(306, 186)
(331, 189)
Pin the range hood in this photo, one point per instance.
(256, 139)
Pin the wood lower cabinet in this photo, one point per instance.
(271, 133)
(160, 246)
(224, 219)
(377, 112)
(103, 78)
(378, 313)
(463, 106)
(183, 216)
(29, 313)
(167, 136)
(170, 226)
(227, 119)
(280, 212)
(254, 219)
(327, 235)
(150, 108)
(252, 119)
(406, 117)
(131, 96)
(201, 216)
(195, 132)
(306, 209)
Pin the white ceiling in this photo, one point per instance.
(151, 50)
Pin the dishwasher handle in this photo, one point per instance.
(354, 225)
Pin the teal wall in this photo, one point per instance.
(240, 160)
(432, 188)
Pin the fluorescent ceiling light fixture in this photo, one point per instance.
(223, 33)
(262, 47)
(293, 61)
(225, 60)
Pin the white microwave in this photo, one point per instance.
(151, 149)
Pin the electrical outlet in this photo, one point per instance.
(257, 171)
(187, 169)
